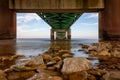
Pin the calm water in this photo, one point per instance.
(34, 47)
(39, 46)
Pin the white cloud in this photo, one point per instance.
(92, 15)
(26, 17)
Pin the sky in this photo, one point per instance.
(30, 25)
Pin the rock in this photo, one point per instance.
(66, 55)
(111, 75)
(55, 78)
(51, 72)
(22, 68)
(96, 72)
(51, 68)
(17, 56)
(104, 53)
(47, 57)
(78, 76)
(57, 58)
(20, 75)
(8, 70)
(58, 65)
(45, 75)
(85, 46)
(2, 75)
(91, 77)
(40, 76)
(56, 54)
(54, 48)
(92, 48)
(64, 51)
(51, 63)
(35, 61)
(115, 53)
(75, 64)
(42, 66)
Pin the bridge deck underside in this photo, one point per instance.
(60, 20)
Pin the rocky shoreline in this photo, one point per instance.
(59, 64)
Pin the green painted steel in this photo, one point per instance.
(60, 20)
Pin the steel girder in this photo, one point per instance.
(60, 20)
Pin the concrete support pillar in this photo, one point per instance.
(52, 34)
(109, 21)
(7, 21)
(69, 34)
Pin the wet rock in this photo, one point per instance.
(81, 50)
(111, 75)
(75, 64)
(2, 75)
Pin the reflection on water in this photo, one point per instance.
(63, 44)
(7, 47)
(38, 46)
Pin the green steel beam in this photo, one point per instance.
(60, 20)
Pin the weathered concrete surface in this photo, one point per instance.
(7, 21)
(109, 21)
(55, 5)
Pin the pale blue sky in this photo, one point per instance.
(30, 25)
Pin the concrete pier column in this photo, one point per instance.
(109, 21)
(52, 34)
(7, 21)
(69, 33)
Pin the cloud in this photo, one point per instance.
(92, 15)
(90, 24)
(26, 17)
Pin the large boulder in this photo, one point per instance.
(111, 75)
(75, 64)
